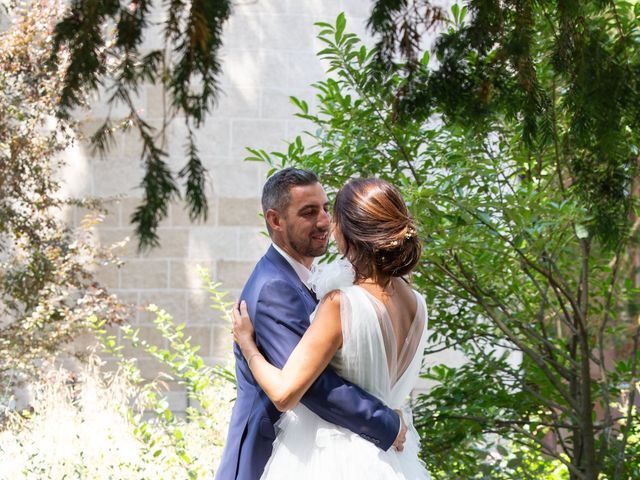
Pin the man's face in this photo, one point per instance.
(305, 225)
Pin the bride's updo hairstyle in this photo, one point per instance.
(380, 237)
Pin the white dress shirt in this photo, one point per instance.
(303, 272)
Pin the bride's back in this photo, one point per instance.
(383, 340)
(400, 304)
(382, 318)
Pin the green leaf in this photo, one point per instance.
(463, 14)
(341, 23)
(301, 104)
(455, 10)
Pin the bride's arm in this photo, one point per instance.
(285, 387)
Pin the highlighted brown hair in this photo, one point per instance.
(380, 235)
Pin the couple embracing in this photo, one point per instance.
(341, 368)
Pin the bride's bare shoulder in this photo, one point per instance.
(332, 297)
(405, 293)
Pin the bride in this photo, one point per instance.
(370, 325)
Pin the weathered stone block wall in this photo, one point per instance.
(269, 54)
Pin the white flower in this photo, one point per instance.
(331, 276)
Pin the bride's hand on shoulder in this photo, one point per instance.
(243, 332)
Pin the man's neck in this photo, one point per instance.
(306, 261)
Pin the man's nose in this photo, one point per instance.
(324, 220)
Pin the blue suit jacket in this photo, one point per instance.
(279, 305)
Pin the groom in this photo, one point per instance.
(280, 302)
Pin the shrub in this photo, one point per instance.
(101, 425)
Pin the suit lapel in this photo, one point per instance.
(279, 261)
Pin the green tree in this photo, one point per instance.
(567, 69)
(520, 272)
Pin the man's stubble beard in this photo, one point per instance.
(304, 247)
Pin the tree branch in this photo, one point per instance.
(514, 338)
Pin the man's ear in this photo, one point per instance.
(273, 218)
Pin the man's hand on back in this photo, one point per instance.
(402, 434)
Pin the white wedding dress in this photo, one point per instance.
(309, 448)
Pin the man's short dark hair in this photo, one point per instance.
(276, 192)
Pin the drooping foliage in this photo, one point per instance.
(489, 67)
(104, 41)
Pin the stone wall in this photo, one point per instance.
(269, 54)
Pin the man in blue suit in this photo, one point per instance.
(279, 301)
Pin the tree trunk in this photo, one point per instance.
(588, 452)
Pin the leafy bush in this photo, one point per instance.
(91, 423)
(100, 425)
